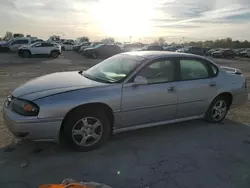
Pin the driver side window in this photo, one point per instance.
(158, 72)
(38, 45)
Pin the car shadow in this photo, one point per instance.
(183, 154)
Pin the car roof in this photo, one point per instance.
(159, 54)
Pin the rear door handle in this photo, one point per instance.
(212, 84)
(171, 89)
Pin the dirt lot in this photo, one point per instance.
(192, 154)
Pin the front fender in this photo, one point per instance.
(57, 106)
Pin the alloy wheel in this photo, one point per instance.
(219, 110)
(54, 54)
(87, 131)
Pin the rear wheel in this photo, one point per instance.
(54, 54)
(86, 130)
(63, 48)
(94, 55)
(217, 110)
(25, 54)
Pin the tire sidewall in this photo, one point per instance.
(94, 55)
(54, 54)
(25, 54)
(74, 118)
(209, 115)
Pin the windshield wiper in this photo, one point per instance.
(96, 79)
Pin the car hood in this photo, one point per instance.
(24, 47)
(52, 84)
(217, 52)
(88, 49)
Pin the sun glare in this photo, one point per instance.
(124, 17)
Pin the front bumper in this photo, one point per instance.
(31, 128)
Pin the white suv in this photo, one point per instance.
(67, 45)
(40, 48)
(16, 43)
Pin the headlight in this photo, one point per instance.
(25, 108)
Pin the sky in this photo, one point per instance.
(139, 20)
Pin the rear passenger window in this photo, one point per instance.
(47, 45)
(193, 69)
(20, 42)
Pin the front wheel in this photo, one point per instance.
(54, 54)
(94, 55)
(25, 54)
(86, 130)
(218, 109)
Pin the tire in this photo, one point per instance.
(86, 134)
(94, 55)
(63, 48)
(25, 54)
(222, 104)
(54, 54)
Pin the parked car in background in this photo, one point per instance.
(151, 48)
(170, 48)
(93, 44)
(15, 35)
(245, 53)
(4, 46)
(36, 40)
(205, 50)
(224, 53)
(102, 50)
(131, 47)
(67, 46)
(125, 92)
(40, 48)
(67, 40)
(192, 50)
(14, 44)
(209, 53)
(77, 47)
(238, 51)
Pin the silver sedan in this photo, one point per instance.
(125, 92)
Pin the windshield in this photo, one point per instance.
(115, 69)
(145, 47)
(98, 45)
(34, 44)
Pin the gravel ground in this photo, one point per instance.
(191, 154)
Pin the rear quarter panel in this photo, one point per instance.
(234, 84)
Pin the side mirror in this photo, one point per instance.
(140, 80)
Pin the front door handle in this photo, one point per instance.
(171, 89)
(212, 84)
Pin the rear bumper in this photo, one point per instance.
(31, 128)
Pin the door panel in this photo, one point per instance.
(148, 104)
(155, 101)
(194, 97)
(195, 89)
